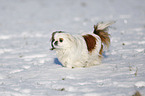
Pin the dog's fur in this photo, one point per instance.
(81, 50)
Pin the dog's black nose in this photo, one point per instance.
(56, 43)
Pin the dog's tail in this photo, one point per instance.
(101, 30)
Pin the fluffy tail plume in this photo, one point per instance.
(101, 30)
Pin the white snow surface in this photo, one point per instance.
(29, 68)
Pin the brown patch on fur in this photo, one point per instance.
(101, 50)
(90, 41)
(103, 35)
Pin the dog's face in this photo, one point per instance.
(60, 40)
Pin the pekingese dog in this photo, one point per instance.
(81, 50)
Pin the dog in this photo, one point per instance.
(81, 50)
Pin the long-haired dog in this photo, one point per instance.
(81, 50)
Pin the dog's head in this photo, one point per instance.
(60, 40)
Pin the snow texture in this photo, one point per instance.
(29, 68)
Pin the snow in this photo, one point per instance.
(29, 68)
(140, 84)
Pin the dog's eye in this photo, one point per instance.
(61, 40)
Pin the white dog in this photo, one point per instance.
(81, 50)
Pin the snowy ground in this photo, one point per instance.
(29, 68)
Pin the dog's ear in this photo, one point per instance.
(52, 38)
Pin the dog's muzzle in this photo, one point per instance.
(54, 43)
